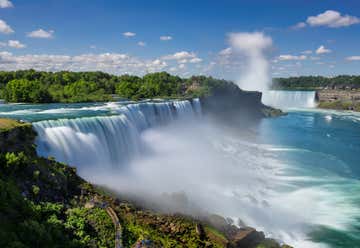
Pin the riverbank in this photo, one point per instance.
(47, 203)
(339, 99)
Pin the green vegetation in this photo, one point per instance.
(6, 124)
(317, 82)
(340, 105)
(43, 87)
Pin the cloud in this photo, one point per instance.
(299, 25)
(129, 34)
(14, 44)
(5, 28)
(141, 43)
(332, 19)
(108, 62)
(165, 38)
(183, 57)
(226, 52)
(195, 60)
(287, 57)
(307, 52)
(250, 42)
(353, 58)
(6, 4)
(41, 33)
(322, 50)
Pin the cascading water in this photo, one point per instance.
(289, 99)
(109, 141)
(296, 177)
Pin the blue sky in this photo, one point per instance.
(124, 36)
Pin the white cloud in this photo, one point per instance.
(6, 4)
(307, 52)
(180, 55)
(226, 52)
(165, 38)
(15, 44)
(333, 19)
(108, 62)
(291, 57)
(5, 28)
(141, 43)
(299, 25)
(322, 50)
(41, 33)
(250, 42)
(183, 57)
(129, 34)
(195, 60)
(353, 58)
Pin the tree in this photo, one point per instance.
(23, 90)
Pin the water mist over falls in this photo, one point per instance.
(108, 141)
(155, 150)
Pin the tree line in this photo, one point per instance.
(65, 86)
(317, 82)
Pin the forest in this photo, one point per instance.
(30, 86)
(317, 82)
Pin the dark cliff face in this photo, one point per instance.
(18, 138)
(236, 106)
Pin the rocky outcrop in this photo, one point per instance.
(237, 106)
(16, 136)
(339, 99)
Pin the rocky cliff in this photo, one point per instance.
(339, 99)
(237, 106)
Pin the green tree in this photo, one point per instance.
(24, 90)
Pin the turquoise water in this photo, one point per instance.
(322, 152)
(306, 164)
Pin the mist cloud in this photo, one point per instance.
(252, 46)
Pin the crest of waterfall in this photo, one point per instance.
(289, 99)
(108, 141)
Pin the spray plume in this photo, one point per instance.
(252, 46)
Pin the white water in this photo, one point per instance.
(108, 141)
(134, 152)
(289, 99)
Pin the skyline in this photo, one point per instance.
(183, 38)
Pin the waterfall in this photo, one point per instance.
(108, 141)
(289, 99)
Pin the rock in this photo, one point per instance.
(247, 237)
(200, 231)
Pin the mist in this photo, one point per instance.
(197, 167)
(252, 47)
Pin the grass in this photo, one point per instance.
(341, 105)
(6, 124)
